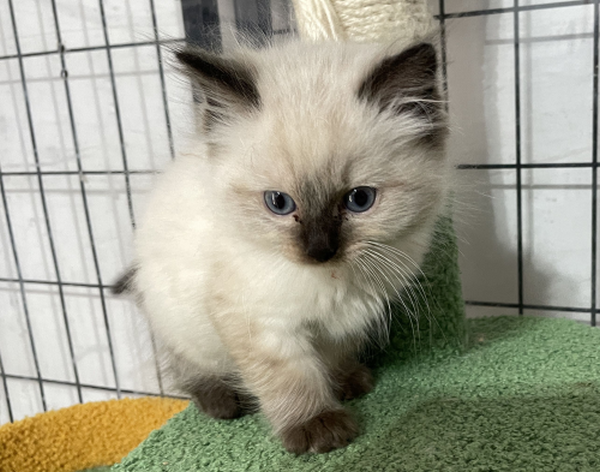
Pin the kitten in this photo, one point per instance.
(270, 250)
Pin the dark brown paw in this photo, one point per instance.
(356, 383)
(323, 433)
(219, 400)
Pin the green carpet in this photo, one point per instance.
(523, 396)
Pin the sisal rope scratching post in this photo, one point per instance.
(363, 20)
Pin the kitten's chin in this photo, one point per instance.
(335, 269)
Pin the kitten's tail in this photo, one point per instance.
(125, 283)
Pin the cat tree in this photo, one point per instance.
(204, 444)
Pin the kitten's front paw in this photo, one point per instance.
(322, 433)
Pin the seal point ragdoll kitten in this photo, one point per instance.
(270, 250)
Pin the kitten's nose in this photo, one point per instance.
(320, 237)
(321, 253)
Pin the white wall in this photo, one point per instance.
(556, 84)
(556, 107)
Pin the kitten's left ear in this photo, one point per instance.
(406, 83)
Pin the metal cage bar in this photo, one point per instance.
(93, 48)
(518, 168)
(82, 188)
(117, 113)
(595, 164)
(444, 47)
(5, 388)
(21, 283)
(161, 74)
(90, 386)
(43, 201)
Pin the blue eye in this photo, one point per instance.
(360, 199)
(279, 203)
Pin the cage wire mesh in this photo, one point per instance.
(90, 112)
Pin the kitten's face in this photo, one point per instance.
(323, 152)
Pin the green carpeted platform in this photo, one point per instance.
(524, 396)
(514, 394)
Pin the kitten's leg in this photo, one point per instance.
(219, 395)
(294, 389)
(350, 378)
(218, 398)
(353, 380)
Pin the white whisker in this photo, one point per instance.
(384, 326)
(398, 259)
(377, 270)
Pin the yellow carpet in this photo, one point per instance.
(82, 436)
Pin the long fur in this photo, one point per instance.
(224, 282)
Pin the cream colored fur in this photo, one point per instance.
(219, 276)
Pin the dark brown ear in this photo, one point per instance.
(228, 85)
(405, 83)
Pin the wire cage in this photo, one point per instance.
(91, 111)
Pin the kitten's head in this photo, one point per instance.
(323, 150)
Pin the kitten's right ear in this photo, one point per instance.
(227, 84)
